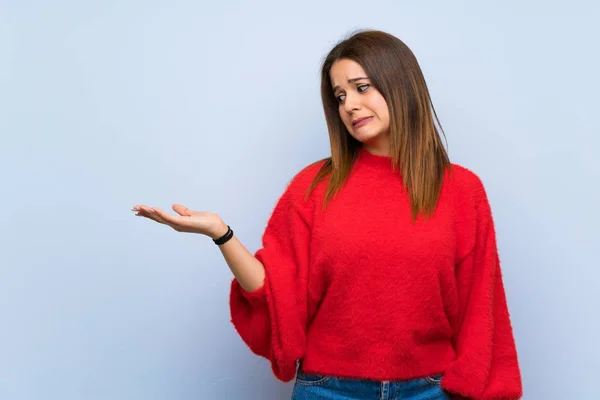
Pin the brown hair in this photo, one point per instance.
(415, 146)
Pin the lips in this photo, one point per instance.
(359, 120)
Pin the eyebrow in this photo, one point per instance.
(336, 87)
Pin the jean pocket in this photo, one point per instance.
(434, 379)
(305, 379)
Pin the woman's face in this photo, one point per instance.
(362, 108)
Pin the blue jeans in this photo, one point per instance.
(321, 387)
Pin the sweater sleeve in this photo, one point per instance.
(486, 367)
(272, 320)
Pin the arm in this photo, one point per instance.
(272, 318)
(268, 298)
(247, 269)
(486, 367)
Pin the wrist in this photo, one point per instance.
(219, 230)
(225, 238)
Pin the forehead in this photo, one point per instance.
(345, 69)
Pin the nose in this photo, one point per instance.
(351, 103)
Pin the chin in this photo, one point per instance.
(365, 137)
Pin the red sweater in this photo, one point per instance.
(359, 291)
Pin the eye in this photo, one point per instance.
(360, 88)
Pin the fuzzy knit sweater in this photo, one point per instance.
(359, 291)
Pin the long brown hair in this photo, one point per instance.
(415, 145)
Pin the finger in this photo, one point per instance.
(146, 209)
(141, 213)
(156, 214)
(150, 212)
(182, 210)
(166, 218)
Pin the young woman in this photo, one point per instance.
(379, 276)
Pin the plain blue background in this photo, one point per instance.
(215, 105)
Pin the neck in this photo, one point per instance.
(376, 151)
(380, 147)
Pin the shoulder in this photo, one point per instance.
(464, 178)
(467, 188)
(472, 209)
(302, 180)
(293, 201)
(465, 182)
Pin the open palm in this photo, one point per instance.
(206, 223)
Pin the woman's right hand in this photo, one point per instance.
(205, 223)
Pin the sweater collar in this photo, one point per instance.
(374, 161)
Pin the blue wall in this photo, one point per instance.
(216, 105)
